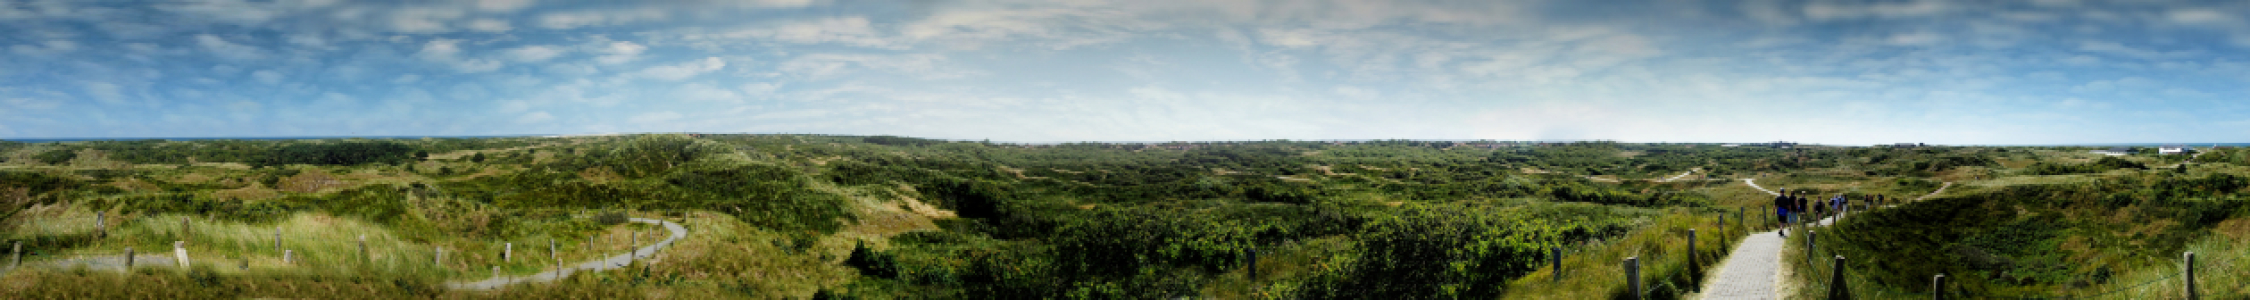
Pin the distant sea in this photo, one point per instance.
(45, 140)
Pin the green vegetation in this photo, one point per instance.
(796, 216)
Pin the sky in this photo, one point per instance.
(1833, 72)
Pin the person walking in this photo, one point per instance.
(1781, 211)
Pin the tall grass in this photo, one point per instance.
(1596, 270)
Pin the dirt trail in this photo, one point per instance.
(612, 262)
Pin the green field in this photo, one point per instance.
(835, 217)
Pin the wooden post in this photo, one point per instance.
(495, 271)
(1691, 259)
(551, 254)
(100, 230)
(128, 258)
(1633, 277)
(1253, 264)
(1558, 263)
(1810, 247)
(288, 256)
(1937, 287)
(1836, 288)
(630, 251)
(277, 239)
(2190, 256)
(363, 255)
(179, 252)
(184, 233)
(508, 252)
(17, 260)
(440, 260)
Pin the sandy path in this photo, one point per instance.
(612, 262)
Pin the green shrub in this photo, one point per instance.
(55, 157)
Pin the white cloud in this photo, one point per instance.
(533, 53)
(502, 5)
(826, 65)
(47, 48)
(535, 117)
(854, 30)
(424, 19)
(449, 52)
(656, 117)
(620, 52)
(684, 70)
(569, 20)
(2201, 16)
(490, 25)
(1915, 39)
(228, 50)
(267, 76)
(106, 93)
(1826, 10)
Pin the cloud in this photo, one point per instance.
(656, 117)
(854, 31)
(424, 19)
(490, 25)
(683, 70)
(619, 52)
(106, 93)
(535, 117)
(228, 50)
(449, 52)
(533, 53)
(47, 48)
(502, 5)
(267, 76)
(576, 19)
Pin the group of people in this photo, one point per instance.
(1793, 207)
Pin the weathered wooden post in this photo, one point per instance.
(1558, 263)
(1692, 261)
(2190, 256)
(440, 260)
(100, 230)
(363, 255)
(508, 252)
(184, 233)
(495, 271)
(128, 258)
(551, 257)
(277, 239)
(1836, 288)
(288, 256)
(1810, 247)
(1633, 277)
(630, 251)
(1253, 264)
(179, 252)
(17, 260)
(1937, 287)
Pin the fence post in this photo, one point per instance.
(288, 256)
(440, 260)
(1937, 287)
(128, 258)
(1692, 260)
(17, 260)
(1633, 277)
(2191, 276)
(363, 255)
(495, 271)
(507, 252)
(100, 230)
(179, 250)
(630, 252)
(1558, 263)
(276, 239)
(551, 254)
(184, 233)
(1836, 288)
(1810, 246)
(1253, 264)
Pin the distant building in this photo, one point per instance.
(2173, 149)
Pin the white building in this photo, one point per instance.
(2173, 149)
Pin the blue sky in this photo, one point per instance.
(1843, 72)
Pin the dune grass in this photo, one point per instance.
(1597, 269)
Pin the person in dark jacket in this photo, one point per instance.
(1804, 207)
(1781, 210)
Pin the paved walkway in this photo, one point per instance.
(613, 262)
(1752, 271)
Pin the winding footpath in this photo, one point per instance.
(1753, 270)
(612, 262)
